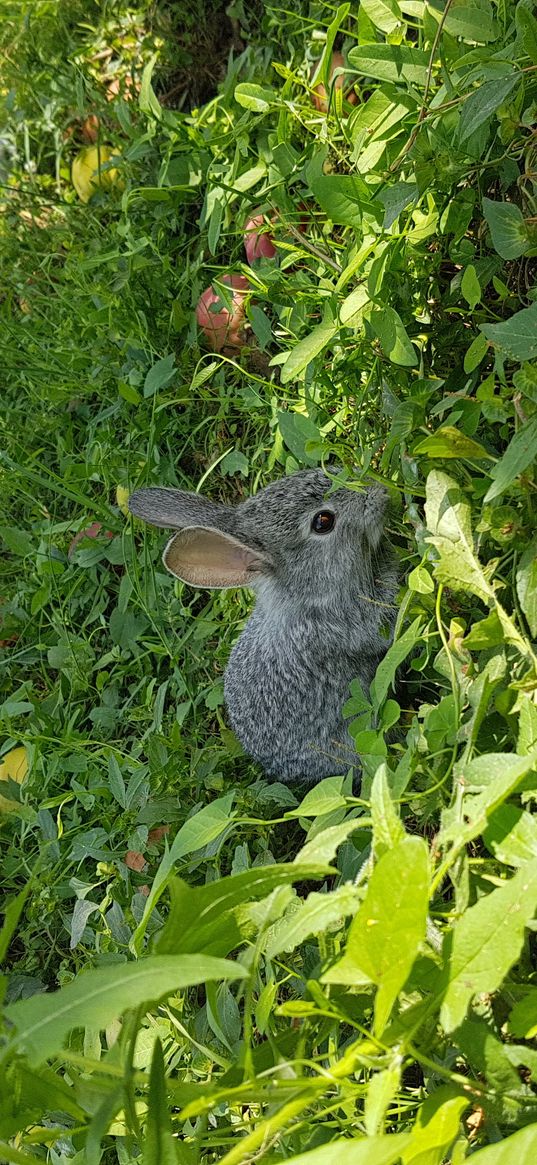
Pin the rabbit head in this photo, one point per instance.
(290, 537)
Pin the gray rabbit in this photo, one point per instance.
(324, 577)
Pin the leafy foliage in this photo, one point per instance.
(201, 966)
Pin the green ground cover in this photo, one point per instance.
(201, 966)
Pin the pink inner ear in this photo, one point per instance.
(208, 558)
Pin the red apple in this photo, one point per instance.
(258, 242)
(320, 97)
(223, 328)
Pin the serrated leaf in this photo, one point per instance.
(519, 455)
(393, 336)
(450, 442)
(485, 942)
(450, 532)
(507, 227)
(386, 62)
(96, 998)
(386, 933)
(517, 337)
(306, 351)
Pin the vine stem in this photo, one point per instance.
(423, 111)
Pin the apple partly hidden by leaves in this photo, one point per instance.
(258, 242)
(92, 531)
(87, 172)
(319, 95)
(223, 327)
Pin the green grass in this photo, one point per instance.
(394, 337)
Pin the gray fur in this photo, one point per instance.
(320, 602)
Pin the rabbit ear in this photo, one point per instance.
(206, 557)
(177, 508)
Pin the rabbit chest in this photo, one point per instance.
(284, 694)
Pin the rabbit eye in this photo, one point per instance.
(323, 522)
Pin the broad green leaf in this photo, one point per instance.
(495, 776)
(470, 286)
(322, 799)
(487, 1055)
(511, 835)
(257, 98)
(386, 933)
(523, 1016)
(483, 102)
(159, 1143)
(387, 62)
(199, 918)
(507, 227)
(388, 829)
(300, 434)
(393, 336)
(384, 14)
(160, 374)
(394, 200)
(419, 580)
(396, 653)
(97, 997)
(450, 442)
(148, 100)
(517, 337)
(353, 305)
(450, 532)
(381, 1150)
(17, 541)
(324, 845)
(341, 198)
(381, 1090)
(526, 585)
(436, 1127)
(475, 353)
(527, 30)
(485, 942)
(473, 20)
(201, 829)
(306, 351)
(519, 455)
(318, 913)
(518, 1149)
